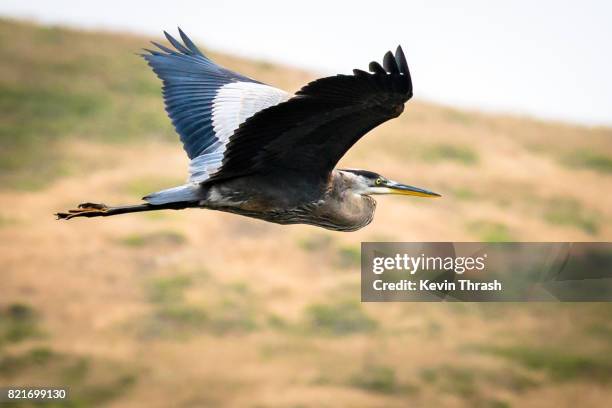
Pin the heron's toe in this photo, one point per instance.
(62, 216)
(83, 210)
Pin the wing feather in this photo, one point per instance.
(390, 63)
(310, 132)
(205, 101)
(401, 60)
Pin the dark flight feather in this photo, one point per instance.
(177, 44)
(401, 60)
(390, 64)
(309, 133)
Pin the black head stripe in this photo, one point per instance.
(364, 173)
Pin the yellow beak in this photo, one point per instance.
(402, 189)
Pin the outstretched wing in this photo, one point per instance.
(205, 101)
(310, 132)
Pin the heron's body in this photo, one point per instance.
(331, 204)
(260, 152)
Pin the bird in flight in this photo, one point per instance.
(261, 152)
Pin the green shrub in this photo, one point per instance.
(567, 211)
(561, 365)
(490, 231)
(460, 154)
(589, 160)
(377, 379)
(153, 238)
(341, 318)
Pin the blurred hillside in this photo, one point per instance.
(198, 308)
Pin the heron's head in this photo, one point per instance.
(368, 183)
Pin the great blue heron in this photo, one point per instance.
(258, 151)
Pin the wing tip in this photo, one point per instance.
(400, 58)
(189, 43)
(187, 48)
(390, 63)
(394, 65)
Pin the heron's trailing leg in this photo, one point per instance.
(102, 210)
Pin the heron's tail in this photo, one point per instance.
(102, 210)
(186, 192)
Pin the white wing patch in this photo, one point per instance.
(234, 103)
(201, 167)
(238, 101)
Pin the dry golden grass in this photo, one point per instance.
(199, 308)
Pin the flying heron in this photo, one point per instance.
(260, 152)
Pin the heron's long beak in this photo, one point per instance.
(403, 189)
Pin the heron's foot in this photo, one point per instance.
(84, 210)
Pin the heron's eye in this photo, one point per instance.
(378, 182)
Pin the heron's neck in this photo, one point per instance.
(344, 200)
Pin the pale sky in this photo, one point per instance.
(546, 59)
